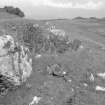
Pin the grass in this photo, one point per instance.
(91, 32)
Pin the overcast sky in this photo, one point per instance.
(41, 9)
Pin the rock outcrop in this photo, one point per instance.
(15, 63)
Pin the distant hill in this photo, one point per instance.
(82, 18)
(79, 18)
(94, 18)
(4, 15)
(103, 19)
(10, 12)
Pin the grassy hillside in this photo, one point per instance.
(88, 28)
(74, 86)
(5, 15)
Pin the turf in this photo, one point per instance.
(69, 89)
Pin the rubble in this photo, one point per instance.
(56, 70)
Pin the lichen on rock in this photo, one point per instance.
(15, 61)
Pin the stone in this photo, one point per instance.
(15, 61)
(76, 44)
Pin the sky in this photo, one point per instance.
(43, 9)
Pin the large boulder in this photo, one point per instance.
(15, 62)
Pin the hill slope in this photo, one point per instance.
(62, 79)
(5, 15)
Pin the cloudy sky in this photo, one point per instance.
(41, 9)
